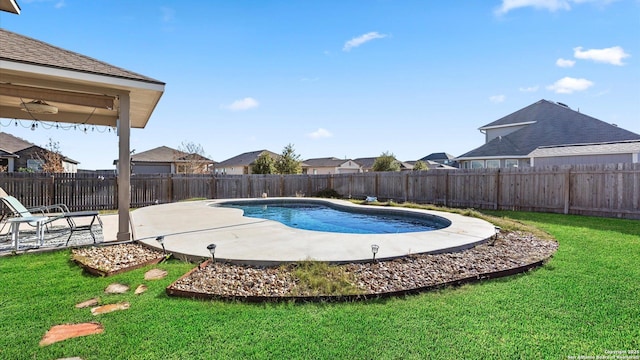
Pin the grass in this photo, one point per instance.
(583, 302)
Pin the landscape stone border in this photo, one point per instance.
(171, 290)
(94, 270)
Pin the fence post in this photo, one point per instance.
(446, 188)
(567, 190)
(170, 188)
(214, 189)
(497, 206)
(406, 186)
(376, 180)
(52, 187)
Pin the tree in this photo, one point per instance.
(386, 162)
(420, 166)
(50, 158)
(192, 159)
(289, 162)
(264, 164)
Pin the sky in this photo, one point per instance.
(342, 78)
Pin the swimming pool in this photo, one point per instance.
(321, 217)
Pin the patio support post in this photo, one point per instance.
(124, 168)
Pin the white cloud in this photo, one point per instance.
(565, 63)
(60, 4)
(320, 133)
(310, 79)
(568, 85)
(497, 98)
(612, 55)
(240, 105)
(551, 5)
(529, 89)
(357, 41)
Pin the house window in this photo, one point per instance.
(492, 164)
(511, 163)
(35, 165)
(477, 164)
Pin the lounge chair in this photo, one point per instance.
(52, 212)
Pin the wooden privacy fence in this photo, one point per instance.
(600, 190)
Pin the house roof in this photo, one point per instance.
(620, 147)
(366, 162)
(13, 144)
(84, 90)
(245, 159)
(327, 162)
(549, 124)
(166, 154)
(438, 156)
(10, 6)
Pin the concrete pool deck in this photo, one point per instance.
(188, 227)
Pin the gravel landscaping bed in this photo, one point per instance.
(511, 250)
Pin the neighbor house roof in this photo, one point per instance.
(327, 162)
(245, 159)
(165, 154)
(549, 124)
(366, 162)
(620, 147)
(438, 156)
(13, 144)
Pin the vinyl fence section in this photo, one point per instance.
(604, 190)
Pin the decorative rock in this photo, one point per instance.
(68, 331)
(116, 289)
(109, 308)
(155, 274)
(141, 288)
(90, 302)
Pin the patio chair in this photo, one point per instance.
(16, 208)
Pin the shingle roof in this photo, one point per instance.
(619, 147)
(326, 162)
(366, 163)
(12, 143)
(438, 156)
(553, 124)
(23, 49)
(245, 159)
(165, 154)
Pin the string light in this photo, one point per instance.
(47, 125)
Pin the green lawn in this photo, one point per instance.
(584, 302)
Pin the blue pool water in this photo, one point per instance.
(318, 217)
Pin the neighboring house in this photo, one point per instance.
(241, 164)
(584, 154)
(510, 140)
(165, 160)
(367, 164)
(440, 158)
(16, 154)
(331, 165)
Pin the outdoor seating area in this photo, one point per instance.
(23, 228)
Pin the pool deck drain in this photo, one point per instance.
(188, 227)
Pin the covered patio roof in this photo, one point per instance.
(83, 90)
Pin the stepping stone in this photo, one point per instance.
(155, 274)
(98, 310)
(116, 289)
(68, 331)
(90, 302)
(141, 288)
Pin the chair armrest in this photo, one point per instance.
(62, 208)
